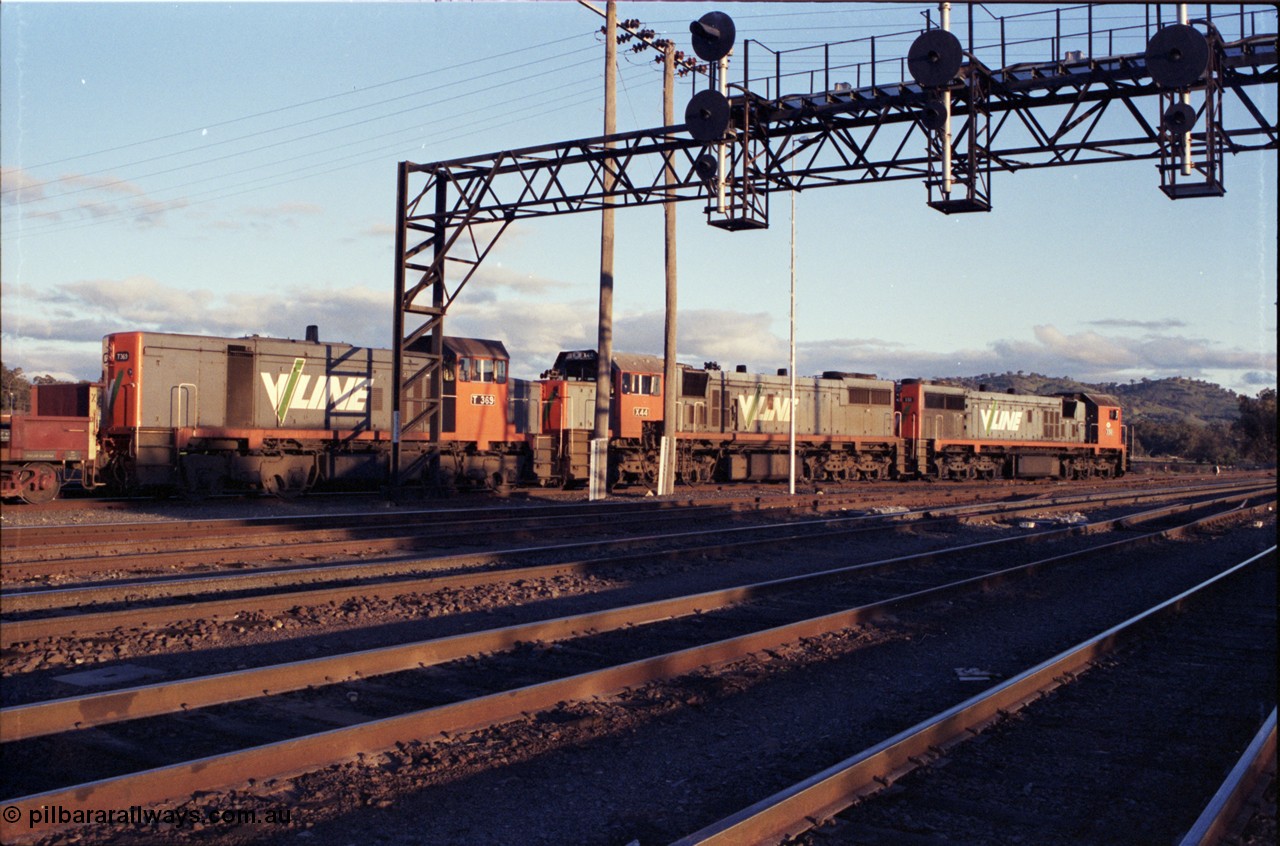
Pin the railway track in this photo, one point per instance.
(99, 608)
(1139, 711)
(48, 554)
(80, 543)
(566, 660)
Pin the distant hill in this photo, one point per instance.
(1175, 400)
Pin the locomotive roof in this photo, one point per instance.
(631, 362)
(455, 347)
(475, 347)
(638, 362)
(1090, 397)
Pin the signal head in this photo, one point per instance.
(707, 116)
(1177, 56)
(933, 116)
(1179, 118)
(713, 35)
(706, 166)
(934, 58)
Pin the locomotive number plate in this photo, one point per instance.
(483, 399)
(640, 411)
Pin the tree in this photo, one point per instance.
(1161, 438)
(1213, 444)
(15, 390)
(1255, 429)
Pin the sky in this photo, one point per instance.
(230, 169)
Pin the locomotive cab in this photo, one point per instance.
(475, 391)
(1104, 431)
(561, 452)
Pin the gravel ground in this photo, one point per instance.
(658, 762)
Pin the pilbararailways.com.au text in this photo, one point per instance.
(139, 816)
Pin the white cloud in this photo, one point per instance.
(74, 197)
(52, 327)
(17, 186)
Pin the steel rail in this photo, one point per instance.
(788, 812)
(96, 559)
(120, 590)
(18, 631)
(18, 539)
(50, 717)
(384, 538)
(291, 757)
(21, 600)
(24, 538)
(1226, 805)
(24, 598)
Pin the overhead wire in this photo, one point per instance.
(305, 103)
(469, 93)
(271, 130)
(276, 144)
(570, 100)
(125, 181)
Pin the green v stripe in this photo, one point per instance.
(286, 396)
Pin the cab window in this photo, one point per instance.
(464, 369)
(486, 370)
(500, 371)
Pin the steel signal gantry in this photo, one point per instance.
(1072, 109)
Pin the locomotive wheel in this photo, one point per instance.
(696, 474)
(278, 486)
(649, 471)
(39, 483)
(292, 483)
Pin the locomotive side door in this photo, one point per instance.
(240, 386)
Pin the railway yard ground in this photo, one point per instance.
(879, 664)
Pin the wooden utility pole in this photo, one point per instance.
(599, 467)
(667, 453)
(667, 460)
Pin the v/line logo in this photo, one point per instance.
(288, 391)
(763, 408)
(1000, 419)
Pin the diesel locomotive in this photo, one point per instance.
(734, 426)
(203, 414)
